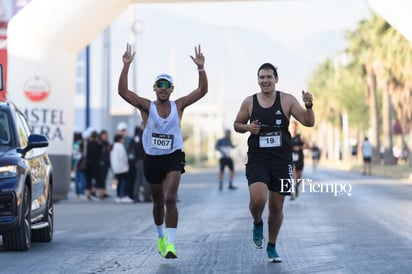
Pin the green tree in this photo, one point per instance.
(379, 61)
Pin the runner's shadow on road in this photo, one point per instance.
(169, 268)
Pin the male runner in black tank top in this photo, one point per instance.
(266, 116)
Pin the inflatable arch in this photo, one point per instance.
(44, 39)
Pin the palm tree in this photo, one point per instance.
(361, 48)
(395, 54)
(380, 63)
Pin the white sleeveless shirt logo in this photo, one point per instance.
(162, 136)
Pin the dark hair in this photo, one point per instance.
(77, 136)
(94, 134)
(268, 66)
(117, 138)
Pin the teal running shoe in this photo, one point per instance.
(258, 235)
(272, 253)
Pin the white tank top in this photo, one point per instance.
(162, 135)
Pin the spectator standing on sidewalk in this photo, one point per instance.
(93, 175)
(123, 130)
(120, 166)
(104, 161)
(79, 176)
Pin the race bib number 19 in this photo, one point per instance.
(162, 141)
(272, 139)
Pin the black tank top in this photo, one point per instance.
(273, 143)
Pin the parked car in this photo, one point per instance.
(26, 182)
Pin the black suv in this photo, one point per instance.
(26, 182)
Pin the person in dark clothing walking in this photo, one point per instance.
(93, 156)
(140, 183)
(316, 153)
(299, 143)
(224, 146)
(104, 161)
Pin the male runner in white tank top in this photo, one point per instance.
(163, 142)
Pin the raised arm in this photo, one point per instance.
(305, 116)
(131, 97)
(202, 87)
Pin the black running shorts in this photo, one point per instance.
(367, 159)
(277, 177)
(299, 165)
(226, 162)
(156, 167)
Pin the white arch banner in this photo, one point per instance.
(43, 41)
(397, 13)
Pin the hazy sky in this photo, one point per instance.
(285, 20)
(237, 37)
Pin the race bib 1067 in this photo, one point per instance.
(162, 141)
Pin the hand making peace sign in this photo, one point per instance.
(199, 59)
(128, 56)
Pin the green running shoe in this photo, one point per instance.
(272, 254)
(170, 251)
(161, 246)
(258, 235)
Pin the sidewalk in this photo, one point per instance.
(400, 171)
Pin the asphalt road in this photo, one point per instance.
(367, 228)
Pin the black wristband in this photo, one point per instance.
(309, 106)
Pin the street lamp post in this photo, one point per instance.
(137, 27)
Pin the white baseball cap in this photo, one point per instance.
(164, 76)
(88, 132)
(121, 126)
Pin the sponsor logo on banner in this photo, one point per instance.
(43, 118)
(36, 89)
(47, 121)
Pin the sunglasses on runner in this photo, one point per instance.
(163, 84)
